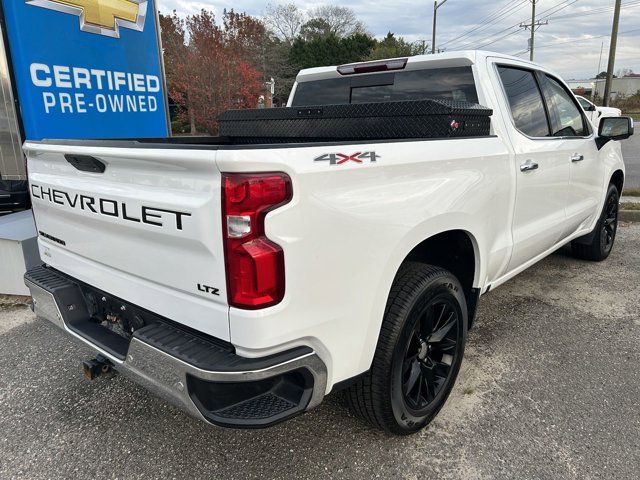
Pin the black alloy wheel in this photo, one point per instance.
(419, 351)
(610, 224)
(430, 353)
(597, 245)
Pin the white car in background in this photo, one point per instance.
(595, 113)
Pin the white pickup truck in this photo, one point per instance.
(246, 281)
(594, 113)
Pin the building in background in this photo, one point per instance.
(582, 87)
(620, 88)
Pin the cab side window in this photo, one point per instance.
(566, 117)
(525, 101)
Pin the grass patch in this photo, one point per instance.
(631, 192)
(630, 206)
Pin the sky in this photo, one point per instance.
(570, 43)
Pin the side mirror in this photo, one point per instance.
(591, 108)
(614, 128)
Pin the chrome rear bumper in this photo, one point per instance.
(188, 386)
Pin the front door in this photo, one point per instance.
(578, 146)
(541, 169)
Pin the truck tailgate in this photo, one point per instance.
(146, 229)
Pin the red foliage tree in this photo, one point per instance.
(216, 69)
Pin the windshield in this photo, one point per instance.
(455, 83)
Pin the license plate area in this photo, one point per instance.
(114, 314)
(103, 319)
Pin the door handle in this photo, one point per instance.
(528, 166)
(576, 157)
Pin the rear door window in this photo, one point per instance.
(566, 117)
(525, 101)
(455, 83)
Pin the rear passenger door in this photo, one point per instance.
(541, 167)
(577, 144)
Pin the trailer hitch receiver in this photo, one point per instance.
(93, 368)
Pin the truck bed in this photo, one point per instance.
(355, 123)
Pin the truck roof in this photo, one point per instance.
(446, 59)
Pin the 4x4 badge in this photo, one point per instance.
(341, 158)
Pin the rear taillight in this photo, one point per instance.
(255, 264)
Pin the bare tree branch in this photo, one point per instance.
(284, 21)
(341, 20)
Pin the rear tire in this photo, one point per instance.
(601, 240)
(419, 351)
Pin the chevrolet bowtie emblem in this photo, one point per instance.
(105, 17)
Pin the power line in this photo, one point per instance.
(486, 21)
(515, 25)
(578, 40)
(596, 11)
(549, 13)
(498, 39)
(556, 8)
(469, 42)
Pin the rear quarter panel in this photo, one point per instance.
(349, 227)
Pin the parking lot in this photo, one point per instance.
(550, 388)
(631, 153)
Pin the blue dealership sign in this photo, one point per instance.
(87, 68)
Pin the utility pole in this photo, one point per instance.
(436, 6)
(612, 53)
(533, 26)
(594, 94)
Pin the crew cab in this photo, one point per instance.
(595, 113)
(245, 281)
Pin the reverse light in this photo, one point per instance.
(255, 264)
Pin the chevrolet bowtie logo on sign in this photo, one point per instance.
(104, 17)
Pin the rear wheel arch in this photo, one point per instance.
(618, 180)
(417, 251)
(456, 251)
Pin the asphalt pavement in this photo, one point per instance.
(631, 154)
(550, 388)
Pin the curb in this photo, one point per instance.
(629, 215)
(14, 300)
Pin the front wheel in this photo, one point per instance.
(419, 351)
(598, 244)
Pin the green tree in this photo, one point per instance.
(603, 75)
(392, 46)
(330, 50)
(315, 28)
